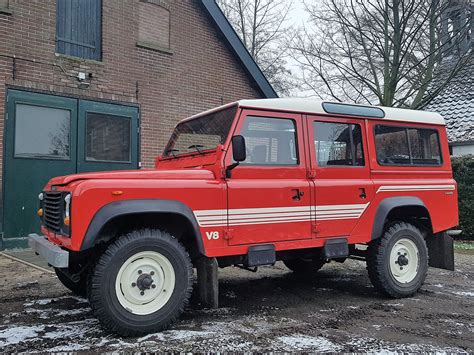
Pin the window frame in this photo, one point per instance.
(353, 146)
(295, 125)
(406, 128)
(41, 157)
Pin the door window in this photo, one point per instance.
(270, 141)
(107, 138)
(42, 132)
(338, 144)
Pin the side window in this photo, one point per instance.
(392, 145)
(338, 144)
(407, 146)
(424, 145)
(79, 28)
(270, 141)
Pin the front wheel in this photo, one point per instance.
(398, 261)
(141, 283)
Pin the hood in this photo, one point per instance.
(150, 174)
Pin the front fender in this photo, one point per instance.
(128, 207)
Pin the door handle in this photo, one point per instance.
(297, 194)
(362, 193)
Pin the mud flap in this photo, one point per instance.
(208, 282)
(441, 251)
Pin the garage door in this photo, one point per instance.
(47, 136)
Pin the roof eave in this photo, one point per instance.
(237, 47)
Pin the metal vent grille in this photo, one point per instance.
(52, 205)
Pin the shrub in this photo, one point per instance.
(463, 169)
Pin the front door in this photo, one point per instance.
(269, 198)
(47, 136)
(341, 176)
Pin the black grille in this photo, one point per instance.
(53, 210)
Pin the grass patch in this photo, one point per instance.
(464, 247)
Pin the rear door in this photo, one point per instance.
(342, 187)
(268, 195)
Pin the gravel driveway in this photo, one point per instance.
(272, 310)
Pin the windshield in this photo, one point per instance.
(202, 133)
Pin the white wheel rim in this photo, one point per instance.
(145, 283)
(404, 261)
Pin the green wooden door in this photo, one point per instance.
(49, 136)
(40, 142)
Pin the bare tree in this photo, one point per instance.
(261, 25)
(385, 52)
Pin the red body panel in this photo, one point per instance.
(254, 205)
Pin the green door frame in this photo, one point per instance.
(77, 159)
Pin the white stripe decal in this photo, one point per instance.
(247, 216)
(398, 188)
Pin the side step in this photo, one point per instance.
(335, 249)
(259, 255)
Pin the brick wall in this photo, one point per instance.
(200, 73)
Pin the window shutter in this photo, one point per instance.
(79, 28)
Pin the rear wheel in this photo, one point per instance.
(78, 286)
(398, 261)
(141, 283)
(304, 266)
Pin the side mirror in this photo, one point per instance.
(239, 152)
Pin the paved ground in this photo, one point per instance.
(336, 310)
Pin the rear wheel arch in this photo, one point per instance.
(117, 218)
(401, 208)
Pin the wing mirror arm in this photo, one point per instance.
(239, 154)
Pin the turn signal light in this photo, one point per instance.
(40, 212)
(117, 193)
(67, 221)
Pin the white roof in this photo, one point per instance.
(312, 106)
(316, 107)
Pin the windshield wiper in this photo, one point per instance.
(172, 151)
(197, 147)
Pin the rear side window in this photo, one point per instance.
(407, 146)
(270, 141)
(338, 144)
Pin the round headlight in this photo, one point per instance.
(41, 197)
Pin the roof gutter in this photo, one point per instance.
(233, 41)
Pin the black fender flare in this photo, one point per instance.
(127, 207)
(387, 205)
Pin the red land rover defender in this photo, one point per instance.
(248, 184)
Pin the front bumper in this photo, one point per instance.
(54, 255)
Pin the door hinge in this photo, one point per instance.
(228, 234)
(311, 173)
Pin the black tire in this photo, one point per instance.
(105, 301)
(378, 261)
(79, 288)
(304, 266)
